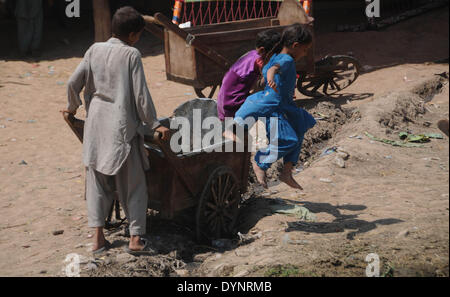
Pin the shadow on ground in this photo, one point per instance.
(256, 209)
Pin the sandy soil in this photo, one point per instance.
(387, 200)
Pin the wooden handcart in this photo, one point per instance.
(211, 182)
(201, 55)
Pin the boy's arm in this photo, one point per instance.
(144, 103)
(76, 83)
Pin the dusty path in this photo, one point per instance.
(397, 207)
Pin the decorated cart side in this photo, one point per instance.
(222, 31)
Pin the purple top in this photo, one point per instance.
(237, 83)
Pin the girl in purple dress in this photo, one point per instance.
(244, 74)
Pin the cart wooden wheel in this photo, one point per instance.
(200, 92)
(218, 206)
(332, 74)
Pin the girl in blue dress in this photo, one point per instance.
(286, 123)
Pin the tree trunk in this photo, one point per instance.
(102, 20)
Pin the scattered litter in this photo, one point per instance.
(188, 94)
(58, 232)
(51, 70)
(247, 238)
(299, 212)
(2, 126)
(31, 121)
(420, 138)
(388, 157)
(60, 83)
(23, 162)
(326, 180)
(328, 151)
(356, 136)
(322, 117)
(393, 142)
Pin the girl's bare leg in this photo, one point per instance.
(260, 174)
(287, 178)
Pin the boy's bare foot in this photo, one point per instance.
(289, 180)
(99, 239)
(260, 174)
(136, 243)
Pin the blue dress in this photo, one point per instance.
(286, 123)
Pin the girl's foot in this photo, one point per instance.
(287, 178)
(290, 181)
(260, 174)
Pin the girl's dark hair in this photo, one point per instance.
(127, 20)
(267, 39)
(293, 33)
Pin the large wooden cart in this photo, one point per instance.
(210, 181)
(201, 55)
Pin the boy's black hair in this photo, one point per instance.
(127, 20)
(294, 33)
(267, 39)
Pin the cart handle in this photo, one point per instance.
(76, 125)
(151, 25)
(197, 44)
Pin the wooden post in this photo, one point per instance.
(102, 20)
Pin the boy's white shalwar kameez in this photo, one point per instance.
(117, 101)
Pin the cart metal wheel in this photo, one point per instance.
(218, 206)
(200, 91)
(332, 74)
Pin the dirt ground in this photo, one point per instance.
(392, 201)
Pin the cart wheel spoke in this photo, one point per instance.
(213, 192)
(211, 217)
(316, 88)
(334, 73)
(212, 206)
(224, 192)
(227, 214)
(335, 85)
(219, 204)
